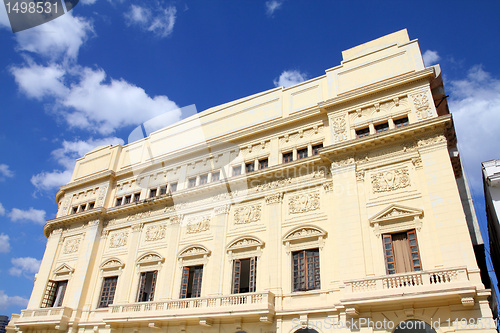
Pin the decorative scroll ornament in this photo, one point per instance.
(305, 202)
(149, 258)
(101, 196)
(360, 175)
(224, 209)
(118, 239)
(198, 224)
(339, 129)
(274, 198)
(193, 251)
(155, 232)
(244, 243)
(71, 245)
(390, 180)
(247, 214)
(113, 263)
(422, 106)
(328, 186)
(64, 206)
(430, 141)
(304, 232)
(341, 163)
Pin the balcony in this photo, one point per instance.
(56, 318)
(432, 283)
(202, 309)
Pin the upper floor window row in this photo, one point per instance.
(82, 207)
(126, 199)
(381, 127)
(302, 153)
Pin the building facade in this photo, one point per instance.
(332, 204)
(491, 185)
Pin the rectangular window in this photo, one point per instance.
(237, 170)
(215, 176)
(382, 127)
(306, 270)
(147, 286)
(173, 187)
(163, 189)
(316, 148)
(118, 202)
(128, 199)
(301, 153)
(288, 157)
(152, 193)
(82, 208)
(137, 196)
(74, 210)
(91, 205)
(192, 182)
(203, 179)
(263, 164)
(363, 132)
(108, 291)
(401, 252)
(54, 294)
(249, 167)
(244, 274)
(401, 122)
(191, 281)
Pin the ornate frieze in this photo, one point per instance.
(71, 245)
(274, 184)
(341, 163)
(198, 224)
(431, 141)
(422, 106)
(339, 129)
(65, 206)
(303, 202)
(304, 233)
(390, 180)
(118, 239)
(247, 214)
(224, 209)
(101, 196)
(138, 216)
(274, 198)
(155, 232)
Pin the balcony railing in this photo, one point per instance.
(56, 316)
(416, 280)
(204, 306)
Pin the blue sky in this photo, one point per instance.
(89, 77)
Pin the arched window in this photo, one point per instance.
(414, 326)
(306, 330)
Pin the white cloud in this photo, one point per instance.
(2, 210)
(290, 78)
(6, 301)
(159, 20)
(5, 172)
(39, 81)
(272, 6)
(26, 266)
(66, 156)
(59, 38)
(4, 243)
(475, 104)
(431, 57)
(33, 215)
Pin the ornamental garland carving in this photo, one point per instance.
(342, 163)
(65, 206)
(155, 232)
(303, 233)
(118, 239)
(193, 251)
(71, 245)
(339, 129)
(422, 106)
(390, 180)
(224, 209)
(302, 203)
(139, 215)
(274, 198)
(198, 224)
(328, 186)
(247, 214)
(430, 141)
(273, 184)
(101, 196)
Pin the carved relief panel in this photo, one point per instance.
(247, 214)
(118, 239)
(303, 202)
(390, 180)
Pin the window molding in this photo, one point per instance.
(396, 218)
(244, 247)
(193, 255)
(63, 272)
(149, 261)
(304, 237)
(111, 267)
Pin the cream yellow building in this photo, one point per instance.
(332, 204)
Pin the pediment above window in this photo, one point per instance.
(64, 270)
(303, 233)
(395, 213)
(150, 258)
(245, 243)
(194, 251)
(112, 264)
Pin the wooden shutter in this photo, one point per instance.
(198, 274)
(153, 285)
(108, 291)
(184, 282)
(50, 294)
(253, 274)
(142, 286)
(390, 263)
(236, 276)
(299, 278)
(415, 255)
(60, 291)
